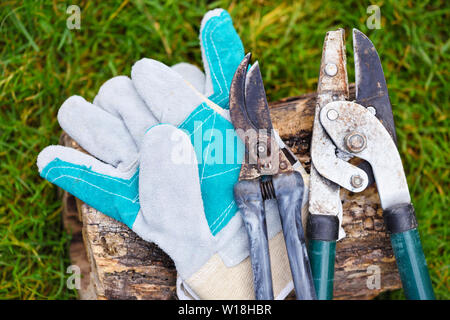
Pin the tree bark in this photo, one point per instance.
(117, 264)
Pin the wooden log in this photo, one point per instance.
(117, 264)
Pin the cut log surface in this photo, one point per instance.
(117, 264)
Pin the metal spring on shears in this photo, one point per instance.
(267, 189)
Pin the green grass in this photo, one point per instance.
(42, 63)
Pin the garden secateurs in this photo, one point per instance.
(267, 172)
(363, 128)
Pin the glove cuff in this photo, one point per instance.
(215, 281)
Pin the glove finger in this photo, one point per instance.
(222, 52)
(119, 97)
(177, 103)
(170, 98)
(191, 74)
(99, 132)
(102, 186)
(171, 199)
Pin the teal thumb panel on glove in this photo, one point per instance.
(222, 52)
(112, 192)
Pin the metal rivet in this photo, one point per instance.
(261, 147)
(355, 142)
(332, 114)
(283, 165)
(331, 69)
(372, 110)
(356, 180)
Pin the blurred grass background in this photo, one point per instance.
(42, 63)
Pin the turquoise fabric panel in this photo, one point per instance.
(219, 152)
(218, 149)
(115, 197)
(224, 52)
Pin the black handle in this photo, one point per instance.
(289, 189)
(251, 206)
(401, 223)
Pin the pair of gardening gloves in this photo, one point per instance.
(156, 165)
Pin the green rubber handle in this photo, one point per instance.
(412, 266)
(321, 256)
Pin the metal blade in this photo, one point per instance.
(249, 113)
(333, 86)
(238, 113)
(333, 81)
(256, 101)
(371, 88)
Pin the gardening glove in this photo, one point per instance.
(174, 101)
(112, 188)
(111, 129)
(219, 43)
(227, 273)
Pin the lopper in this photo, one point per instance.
(365, 129)
(267, 172)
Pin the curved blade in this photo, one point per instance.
(371, 89)
(238, 112)
(256, 101)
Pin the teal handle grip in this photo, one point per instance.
(412, 265)
(322, 256)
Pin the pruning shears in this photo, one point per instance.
(267, 172)
(363, 128)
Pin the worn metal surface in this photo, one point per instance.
(324, 194)
(371, 88)
(382, 154)
(255, 99)
(381, 151)
(249, 112)
(254, 127)
(273, 163)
